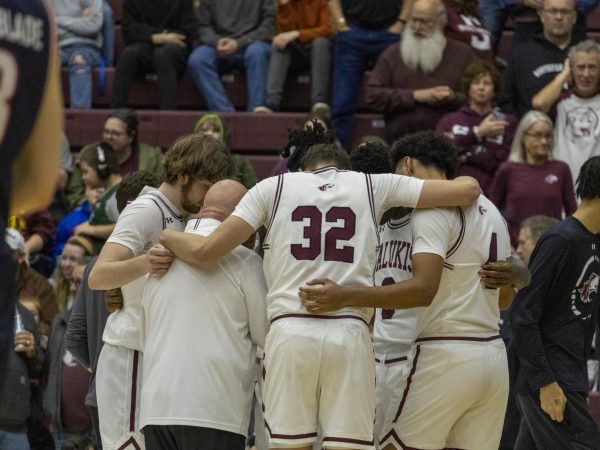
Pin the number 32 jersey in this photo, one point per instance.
(321, 224)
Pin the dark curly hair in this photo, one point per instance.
(371, 157)
(588, 181)
(131, 186)
(429, 149)
(300, 140)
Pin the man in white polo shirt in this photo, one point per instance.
(203, 324)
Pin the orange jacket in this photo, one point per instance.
(310, 17)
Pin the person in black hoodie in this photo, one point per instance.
(553, 322)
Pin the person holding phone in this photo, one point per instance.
(481, 133)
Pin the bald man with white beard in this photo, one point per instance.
(418, 80)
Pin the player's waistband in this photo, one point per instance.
(318, 316)
(390, 359)
(466, 338)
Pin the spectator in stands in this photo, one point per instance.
(81, 214)
(66, 388)
(22, 364)
(158, 37)
(530, 232)
(80, 41)
(532, 65)
(364, 30)
(532, 182)
(481, 134)
(121, 132)
(303, 41)
(108, 34)
(100, 168)
(30, 284)
(215, 125)
(493, 16)
(417, 81)
(233, 34)
(39, 232)
(76, 254)
(576, 112)
(525, 17)
(464, 25)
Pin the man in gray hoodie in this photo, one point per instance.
(80, 41)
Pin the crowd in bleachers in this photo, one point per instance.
(522, 122)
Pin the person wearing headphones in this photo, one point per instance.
(100, 168)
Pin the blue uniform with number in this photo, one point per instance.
(25, 38)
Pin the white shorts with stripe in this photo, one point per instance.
(319, 374)
(391, 372)
(455, 395)
(118, 388)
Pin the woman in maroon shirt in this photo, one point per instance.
(531, 182)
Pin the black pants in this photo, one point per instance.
(167, 61)
(577, 431)
(182, 437)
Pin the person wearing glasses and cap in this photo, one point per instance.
(120, 130)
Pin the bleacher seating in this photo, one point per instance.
(259, 137)
(248, 131)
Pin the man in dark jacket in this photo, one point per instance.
(158, 34)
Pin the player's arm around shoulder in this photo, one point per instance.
(116, 266)
(196, 249)
(460, 191)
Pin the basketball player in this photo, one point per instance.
(189, 168)
(200, 350)
(456, 389)
(319, 370)
(31, 122)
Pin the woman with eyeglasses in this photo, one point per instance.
(120, 130)
(532, 182)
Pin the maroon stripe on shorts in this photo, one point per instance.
(288, 436)
(408, 382)
(134, 375)
(317, 316)
(347, 440)
(459, 338)
(130, 442)
(393, 360)
(392, 434)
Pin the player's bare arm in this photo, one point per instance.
(197, 249)
(512, 272)
(460, 191)
(116, 265)
(324, 295)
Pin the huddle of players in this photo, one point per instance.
(434, 330)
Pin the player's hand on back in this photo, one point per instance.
(159, 258)
(496, 274)
(322, 295)
(113, 298)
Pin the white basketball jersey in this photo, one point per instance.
(138, 228)
(321, 224)
(394, 329)
(466, 237)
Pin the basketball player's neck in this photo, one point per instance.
(173, 194)
(588, 214)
